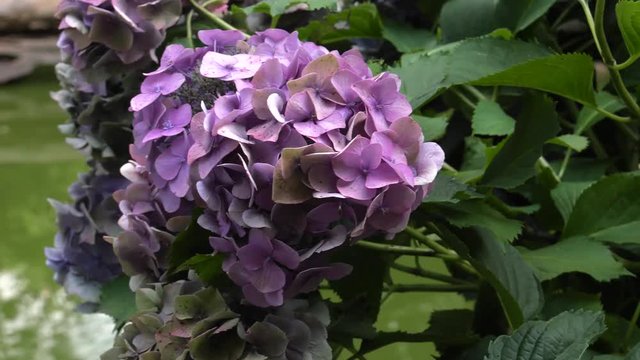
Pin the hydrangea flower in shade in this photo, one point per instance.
(81, 259)
(97, 33)
(293, 150)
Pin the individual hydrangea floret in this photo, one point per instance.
(291, 149)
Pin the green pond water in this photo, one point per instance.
(37, 321)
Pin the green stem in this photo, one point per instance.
(428, 241)
(609, 60)
(405, 250)
(629, 132)
(592, 26)
(542, 162)
(464, 98)
(216, 19)
(632, 325)
(427, 274)
(404, 288)
(475, 92)
(630, 61)
(612, 116)
(449, 167)
(596, 145)
(565, 163)
(190, 29)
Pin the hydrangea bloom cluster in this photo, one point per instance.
(186, 320)
(291, 149)
(96, 33)
(81, 258)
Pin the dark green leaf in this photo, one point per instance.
(576, 143)
(117, 300)
(568, 75)
(501, 266)
(565, 337)
(557, 303)
(514, 164)
(565, 196)
(447, 189)
(577, 254)
(433, 128)
(361, 293)
(460, 63)
(279, 7)
(588, 116)
(360, 21)
(208, 267)
(406, 38)
(628, 15)
(608, 211)
(478, 213)
(468, 18)
(193, 240)
(490, 119)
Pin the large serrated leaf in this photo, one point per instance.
(514, 163)
(490, 119)
(628, 14)
(566, 337)
(568, 75)
(279, 7)
(460, 19)
(577, 254)
(424, 75)
(608, 211)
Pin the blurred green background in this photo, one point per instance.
(37, 320)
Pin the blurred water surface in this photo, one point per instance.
(37, 320)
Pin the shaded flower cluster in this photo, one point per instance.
(97, 33)
(185, 320)
(81, 258)
(291, 149)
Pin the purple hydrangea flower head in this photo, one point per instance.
(291, 150)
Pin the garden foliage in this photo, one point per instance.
(261, 172)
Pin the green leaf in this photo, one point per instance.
(628, 15)
(567, 75)
(433, 128)
(490, 119)
(617, 328)
(608, 210)
(559, 302)
(360, 21)
(424, 75)
(193, 240)
(565, 196)
(117, 300)
(406, 38)
(565, 337)
(501, 266)
(588, 116)
(208, 267)
(361, 293)
(478, 213)
(461, 19)
(515, 282)
(576, 143)
(447, 189)
(514, 164)
(577, 254)
(279, 7)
